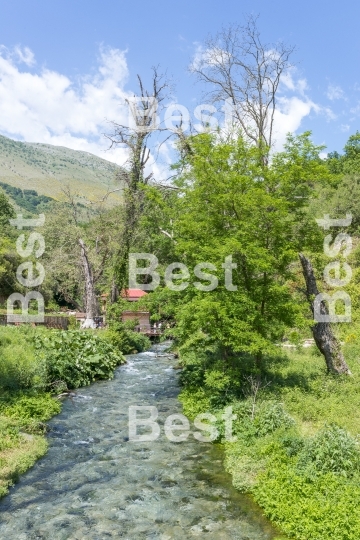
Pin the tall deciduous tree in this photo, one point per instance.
(9, 258)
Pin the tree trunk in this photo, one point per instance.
(114, 292)
(325, 340)
(91, 305)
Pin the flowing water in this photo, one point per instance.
(95, 484)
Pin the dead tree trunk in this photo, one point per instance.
(325, 340)
(91, 304)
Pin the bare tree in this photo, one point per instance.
(324, 337)
(254, 386)
(135, 138)
(243, 71)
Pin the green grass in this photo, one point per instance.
(297, 451)
(19, 450)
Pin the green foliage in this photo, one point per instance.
(77, 358)
(301, 468)
(20, 369)
(18, 450)
(194, 402)
(126, 340)
(9, 262)
(325, 508)
(33, 360)
(40, 407)
(349, 162)
(270, 417)
(256, 214)
(122, 335)
(6, 210)
(331, 450)
(27, 198)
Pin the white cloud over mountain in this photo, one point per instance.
(48, 107)
(42, 105)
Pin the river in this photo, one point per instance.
(95, 484)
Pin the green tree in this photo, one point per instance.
(233, 205)
(9, 259)
(349, 161)
(6, 211)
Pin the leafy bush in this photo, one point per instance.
(126, 340)
(192, 375)
(194, 402)
(292, 443)
(77, 358)
(271, 416)
(327, 508)
(331, 450)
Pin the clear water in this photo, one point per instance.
(95, 484)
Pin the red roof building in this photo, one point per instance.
(132, 295)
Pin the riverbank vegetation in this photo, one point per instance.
(37, 366)
(297, 429)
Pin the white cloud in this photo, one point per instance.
(288, 117)
(329, 113)
(355, 110)
(48, 107)
(24, 55)
(335, 92)
(18, 55)
(290, 81)
(345, 127)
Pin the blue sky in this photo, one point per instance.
(66, 65)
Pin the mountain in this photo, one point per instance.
(46, 169)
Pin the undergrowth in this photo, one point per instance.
(297, 435)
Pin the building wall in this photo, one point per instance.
(142, 316)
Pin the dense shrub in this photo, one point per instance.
(327, 508)
(271, 416)
(76, 358)
(123, 338)
(122, 334)
(331, 450)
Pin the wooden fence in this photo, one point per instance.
(50, 321)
